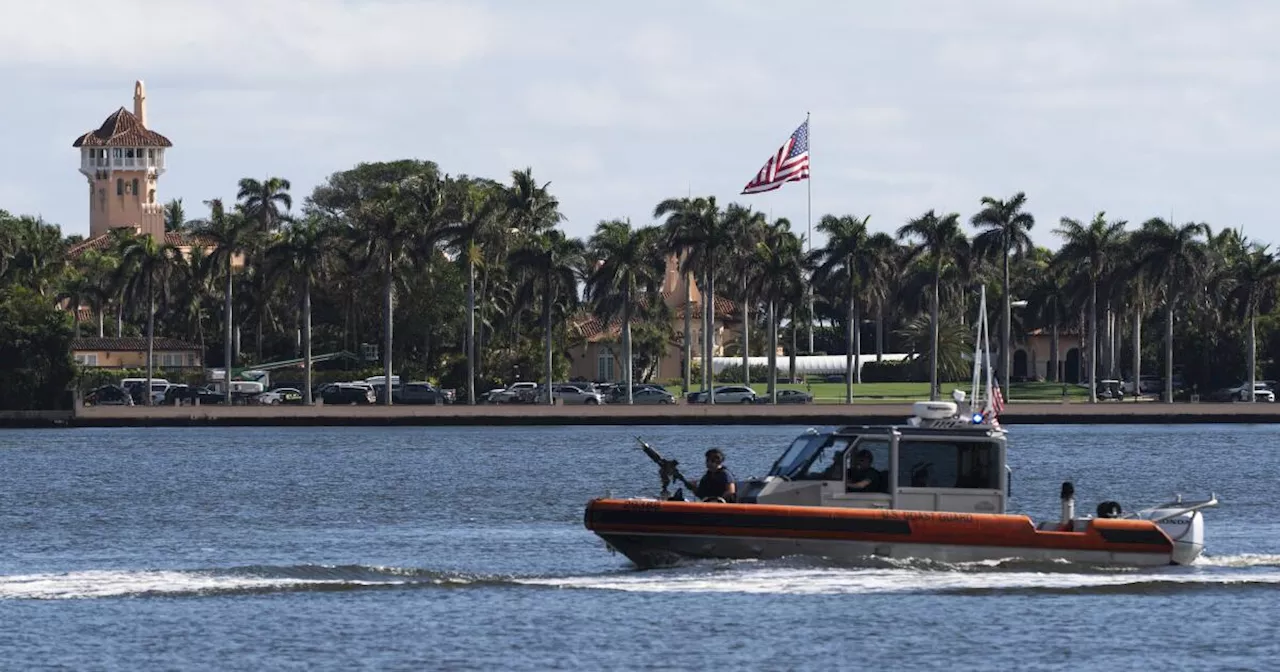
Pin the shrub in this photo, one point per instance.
(911, 371)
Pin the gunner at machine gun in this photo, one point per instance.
(716, 484)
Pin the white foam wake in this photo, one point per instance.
(110, 583)
(870, 581)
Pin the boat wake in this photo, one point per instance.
(229, 581)
(796, 576)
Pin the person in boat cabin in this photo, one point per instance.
(863, 477)
(718, 482)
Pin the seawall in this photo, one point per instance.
(811, 414)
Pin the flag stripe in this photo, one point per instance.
(789, 164)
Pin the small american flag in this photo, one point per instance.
(790, 164)
(997, 399)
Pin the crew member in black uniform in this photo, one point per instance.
(718, 482)
(862, 476)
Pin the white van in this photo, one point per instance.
(246, 387)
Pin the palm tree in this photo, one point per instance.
(682, 214)
(146, 267)
(1175, 257)
(1005, 232)
(557, 261)
(1255, 276)
(175, 220)
(846, 254)
(940, 242)
(1090, 251)
(474, 213)
(882, 281)
(697, 233)
(304, 252)
(780, 257)
(228, 236)
(746, 228)
(267, 202)
(392, 229)
(627, 261)
(79, 289)
(530, 207)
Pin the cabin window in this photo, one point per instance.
(798, 454)
(939, 464)
(827, 463)
(879, 449)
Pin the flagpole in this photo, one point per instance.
(809, 225)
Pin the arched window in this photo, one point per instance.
(135, 191)
(152, 197)
(119, 187)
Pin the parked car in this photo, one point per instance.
(280, 395)
(618, 393)
(572, 394)
(1260, 392)
(652, 395)
(793, 397)
(348, 393)
(523, 392)
(109, 395)
(420, 393)
(187, 394)
(728, 394)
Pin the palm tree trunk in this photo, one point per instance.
(857, 342)
(388, 305)
(546, 324)
(306, 340)
(879, 331)
(711, 337)
(746, 337)
(1168, 352)
(469, 344)
(1006, 336)
(688, 333)
(1054, 349)
(849, 328)
(1093, 341)
(100, 323)
(229, 357)
(933, 335)
(773, 352)
(1253, 354)
(75, 321)
(1137, 352)
(151, 339)
(795, 338)
(626, 346)
(120, 318)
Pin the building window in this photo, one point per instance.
(87, 360)
(135, 191)
(151, 155)
(604, 365)
(128, 153)
(152, 197)
(119, 186)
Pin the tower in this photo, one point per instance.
(122, 160)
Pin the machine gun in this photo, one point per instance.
(668, 470)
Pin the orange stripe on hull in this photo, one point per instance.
(612, 516)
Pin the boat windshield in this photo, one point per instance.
(798, 454)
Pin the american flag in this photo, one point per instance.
(997, 399)
(790, 164)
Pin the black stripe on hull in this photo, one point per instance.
(675, 519)
(1153, 537)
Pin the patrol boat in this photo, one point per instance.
(940, 494)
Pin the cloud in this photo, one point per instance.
(248, 40)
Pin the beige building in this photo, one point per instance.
(122, 161)
(600, 356)
(131, 353)
(1032, 357)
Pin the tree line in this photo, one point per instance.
(471, 281)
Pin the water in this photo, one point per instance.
(422, 548)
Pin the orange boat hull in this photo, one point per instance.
(653, 533)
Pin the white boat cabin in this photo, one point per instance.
(940, 465)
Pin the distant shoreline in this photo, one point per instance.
(487, 415)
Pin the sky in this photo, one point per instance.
(1140, 108)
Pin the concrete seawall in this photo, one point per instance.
(813, 414)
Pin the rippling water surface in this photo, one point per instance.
(419, 548)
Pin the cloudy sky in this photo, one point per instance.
(1138, 107)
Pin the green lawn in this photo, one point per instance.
(874, 392)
